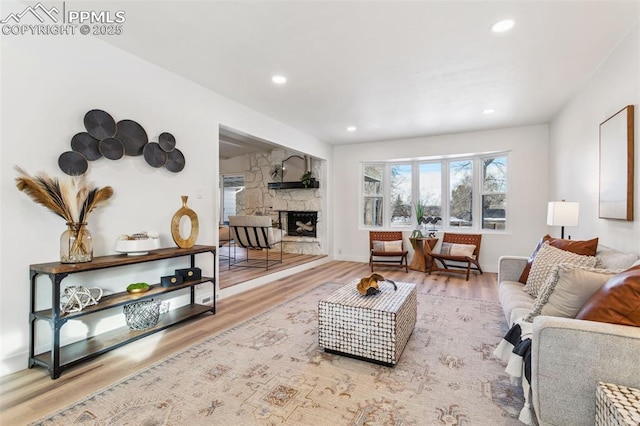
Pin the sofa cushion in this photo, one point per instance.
(548, 257)
(567, 289)
(512, 297)
(517, 314)
(585, 248)
(617, 302)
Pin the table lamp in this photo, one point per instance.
(563, 213)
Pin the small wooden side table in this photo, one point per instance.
(422, 247)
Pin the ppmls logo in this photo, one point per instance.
(38, 11)
(40, 20)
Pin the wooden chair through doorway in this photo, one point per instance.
(456, 255)
(387, 249)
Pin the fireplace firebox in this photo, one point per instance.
(302, 223)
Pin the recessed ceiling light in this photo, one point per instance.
(352, 129)
(279, 79)
(488, 111)
(502, 26)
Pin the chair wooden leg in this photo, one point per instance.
(468, 270)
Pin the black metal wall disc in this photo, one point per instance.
(175, 161)
(100, 124)
(86, 145)
(154, 155)
(73, 163)
(111, 148)
(167, 141)
(132, 136)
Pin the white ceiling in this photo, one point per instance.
(394, 69)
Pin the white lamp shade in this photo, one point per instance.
(563, 213)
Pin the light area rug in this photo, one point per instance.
(269, 370)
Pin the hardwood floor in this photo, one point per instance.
(238, 274)
(29, 394)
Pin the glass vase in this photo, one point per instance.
(76, 245)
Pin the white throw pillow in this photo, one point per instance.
(390, 246)
(567, 289)
(451, 249)
(548, 257)
(609, 258)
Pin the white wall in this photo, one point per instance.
(527, 202)
(47, 85)
(574, 144)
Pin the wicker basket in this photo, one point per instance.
(142, 315)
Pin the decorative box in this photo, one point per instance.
(617, 405)
(171, 280)
(190, 273)
(374, 328)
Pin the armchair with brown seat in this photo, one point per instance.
(459, 253)
(387, 249)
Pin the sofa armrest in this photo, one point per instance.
(510, 267)
(569, 357)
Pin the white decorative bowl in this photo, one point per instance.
(137, 247)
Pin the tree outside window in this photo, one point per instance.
(494, 192)
(401, 195)
(461, 199)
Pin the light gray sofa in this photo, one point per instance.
(569, 356)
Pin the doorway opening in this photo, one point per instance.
(231, 196)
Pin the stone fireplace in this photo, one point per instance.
(306, 204)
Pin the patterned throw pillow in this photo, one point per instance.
(390, 246)
(585, 248)
(548, 257)
(450, 249)
(567, 289)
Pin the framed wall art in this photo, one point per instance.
(616, 166)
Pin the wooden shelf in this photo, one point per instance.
(124, 298)
(293, 185)
(102, 262)
(61, 357)
(99, 344)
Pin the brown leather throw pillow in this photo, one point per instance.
(617, 302)
(584, 248)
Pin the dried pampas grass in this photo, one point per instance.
(71, 199)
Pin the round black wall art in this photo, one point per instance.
(175, 161)
(99, 124)
(132, 136)
(72, 163)
(114, 140)
(167, 141)
(112, 148)
(86, 145)
(154, 155)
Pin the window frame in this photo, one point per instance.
(445, 162)
(482, 192)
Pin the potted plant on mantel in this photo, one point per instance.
(307, 178)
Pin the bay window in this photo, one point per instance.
(468, 193)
